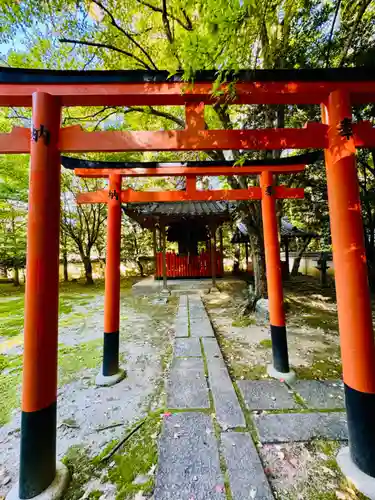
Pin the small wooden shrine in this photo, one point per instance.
(193, 226)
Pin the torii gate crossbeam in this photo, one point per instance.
(47, 91)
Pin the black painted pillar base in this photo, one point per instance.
(38, 451)
(360, 409)
(110, 372)
(280, 349)
(111, 347)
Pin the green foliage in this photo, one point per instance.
(188, 35)
(12, 234)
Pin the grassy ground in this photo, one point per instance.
(312, 325)
(72, 359)
(145, 332)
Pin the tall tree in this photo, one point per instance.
(83, 224)
(192, 35)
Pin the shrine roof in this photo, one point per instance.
(47, 76)
(287, 230)
(148, 214)
(72, 163)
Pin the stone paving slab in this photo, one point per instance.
(321, 394)
(189, 466)
(187, 347)
(182, 313)
(227, 408)
(246, 475)
(284, 427)
(181, 328)
(211, 348)
(201, 328)
(266, 395)
(197, 314)
(183, 301)
(187, 386)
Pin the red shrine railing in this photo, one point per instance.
(192, 266)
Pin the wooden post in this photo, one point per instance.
(111, 373)
(274, 281)
(213, 254)
(221, 250)
(352, 288)
(286, 246)
(39, 387)
(164, 249)
(154, 244)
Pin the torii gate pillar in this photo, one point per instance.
(280, 367)
(110, 372)
(40, 475)
(353, 296)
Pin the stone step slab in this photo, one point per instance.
(189, 347)
(187, 386)
(321, 394)
(267, 395)
(246, 475)
(189, 466)
(284, 427)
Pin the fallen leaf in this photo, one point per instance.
(341, 495)
(139, 496)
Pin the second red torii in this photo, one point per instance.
(268, 192)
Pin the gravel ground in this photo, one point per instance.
(83, 409)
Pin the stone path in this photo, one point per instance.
(201, 447)
(207, 450)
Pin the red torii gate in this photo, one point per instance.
(267, 193)
(47, 91)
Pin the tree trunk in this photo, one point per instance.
(3, 272)
(88, 269)
(65, 264)
(140, 268)
(16, 276)
(259, 264)
(297, 259)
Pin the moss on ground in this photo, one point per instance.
(244, 322)
(265, 344)
(71, 294)
(10, 380)
(82, 469)
(321, 477)
(325, 365)
(11, 316)
(232, 352)
(318, 489)
(74, 359)
(136, 458)
(311, 315)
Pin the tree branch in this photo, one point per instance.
(162, 114)
(106, 46)
(188, 26)
(104, 118)
(331, 32)
(125, 33)
(166, 24)
(353, 31)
